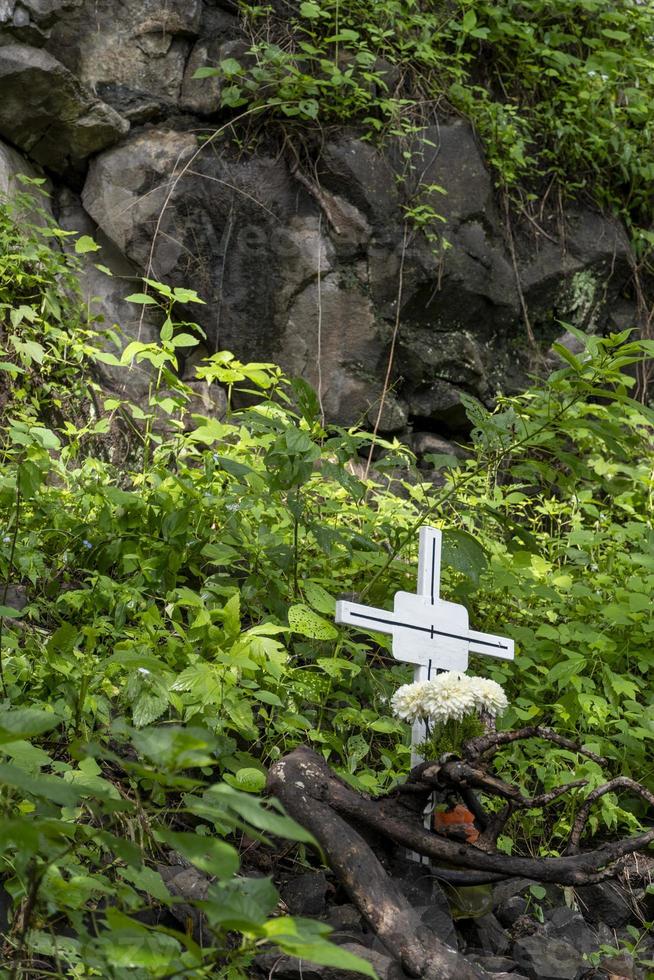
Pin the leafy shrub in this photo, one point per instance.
(166, 622)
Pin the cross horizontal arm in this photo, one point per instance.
(365, 617)
(490, 645)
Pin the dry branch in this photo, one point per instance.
(341, 820)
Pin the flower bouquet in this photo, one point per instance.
(453, 707)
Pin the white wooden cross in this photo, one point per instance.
(427, 632)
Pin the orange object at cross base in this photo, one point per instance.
(456, 822)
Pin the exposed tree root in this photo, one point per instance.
(342, 821)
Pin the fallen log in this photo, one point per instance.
(343, 820)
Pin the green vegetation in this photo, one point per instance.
(559, 92)
(178, 575)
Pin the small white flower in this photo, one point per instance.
(489, 696)
(408, 701)
(143, 670)
(449, 695)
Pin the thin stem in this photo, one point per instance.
(10, 567)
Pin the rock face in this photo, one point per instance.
(324, 267)
(46, 112)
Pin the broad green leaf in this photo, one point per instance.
(305, 621)
(143, 299)
(268, 819)
(249, 780)
(464, 553)
(213, 856)
(146, 880)
(47, 787)
(86, 244)
(308, 940)
(318, 598)
(25, 723)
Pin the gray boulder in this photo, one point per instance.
(565, 923)
(544, 958)
(48, 114)
(12, 166)
(29, 21)
(132, 54)
(606, 902)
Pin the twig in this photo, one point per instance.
(620, 782)
(391, 353)
(10, 566)
(487, 745)
(514, 260)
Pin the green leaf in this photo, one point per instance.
(306, 622)
(319, 598)
(206, 853)
(310, 10)
(230, 67)
(146, 880)
(22, 723)
(307, 940)
(272, 820)
(50, 788)
(464, 553)
(206, 72)
(141, 298)
(469, 20)
(86, 244)
(185, 340)
(8, 612)
(148, 707)
(250, 780)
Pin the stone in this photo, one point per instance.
(418, 885)
(17, 597)
(620, 967)
(452, 356)
(605, 902)
(565, 923)
(48, 114)
(393, 416)
(494, 964)
(544, 958)
(304, 269)
(305, 894)
(202, 95)
(450, 157)
(486, 933)
(12, 166)
(437, 917)
(190, 884)
(29, 21)
(129, 53)
(208, 400)
(429, 443)
(440, 403)
(511, 910)
(332, 340)
(355, 165)
(344, 917)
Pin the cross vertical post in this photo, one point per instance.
(429, 574)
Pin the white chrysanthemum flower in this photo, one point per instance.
(489, 696)
(449, 696)
(408, 701)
